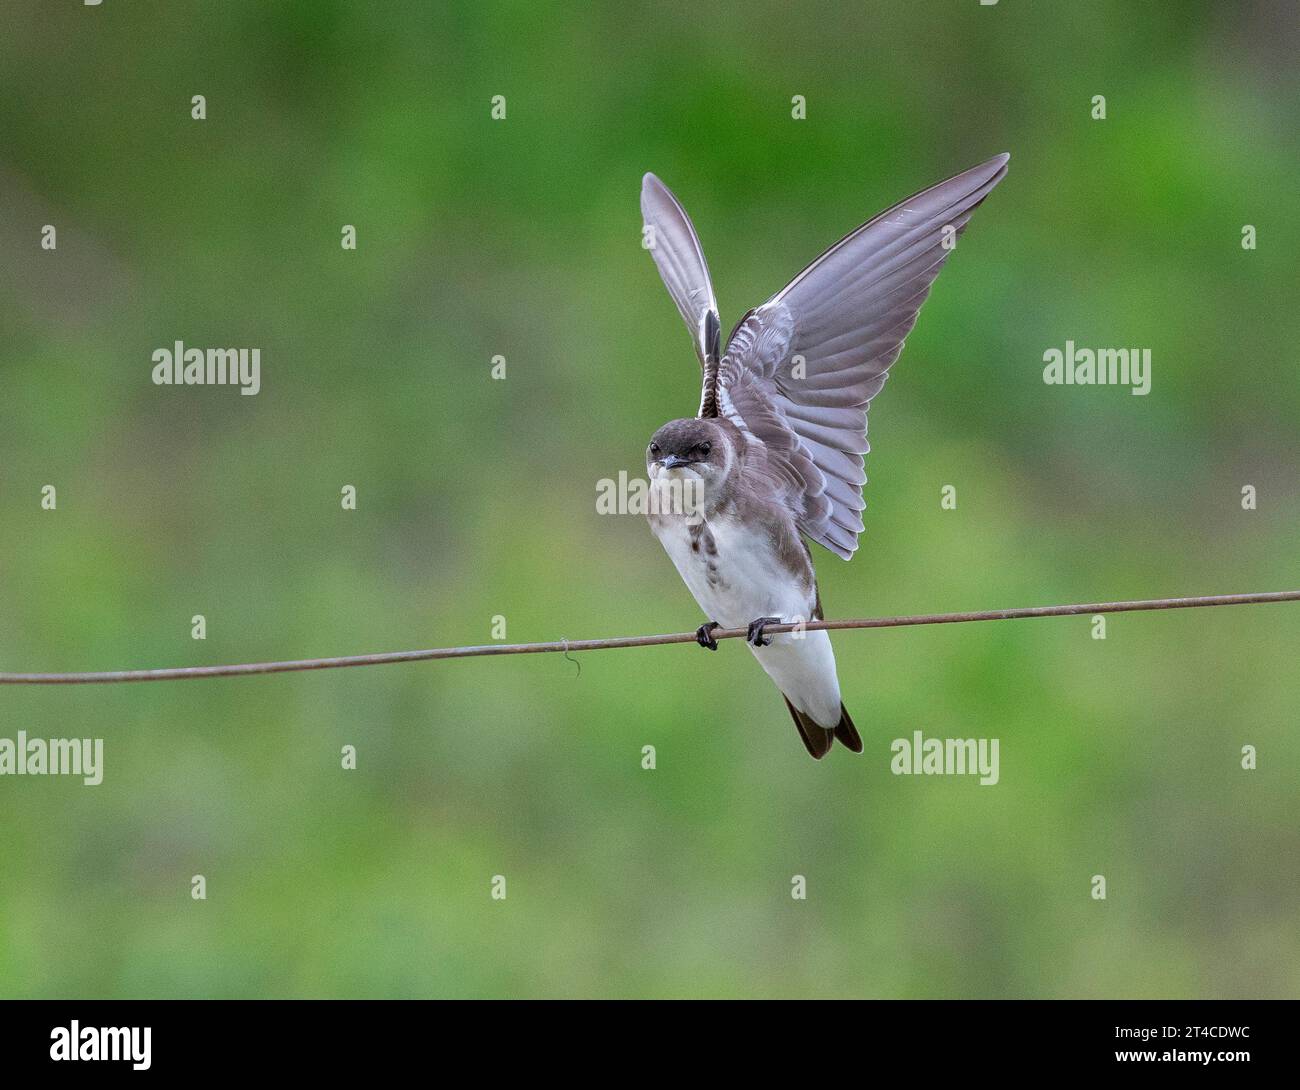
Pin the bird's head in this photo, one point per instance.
(692, 450)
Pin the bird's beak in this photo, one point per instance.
(672, 461)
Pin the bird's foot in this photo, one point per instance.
(754, 634)
(704, 636)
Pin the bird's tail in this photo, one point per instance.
(847, 733)
(817, 739)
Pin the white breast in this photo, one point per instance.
(744, 580)
(741, 579)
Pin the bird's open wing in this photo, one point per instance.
(800, 371)
(670, 236)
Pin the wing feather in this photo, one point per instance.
(800, 371)
(677, 253)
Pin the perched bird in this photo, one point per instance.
(775, 454)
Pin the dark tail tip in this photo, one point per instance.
(847, 733)
(817, 740)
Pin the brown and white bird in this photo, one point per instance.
(775, 454)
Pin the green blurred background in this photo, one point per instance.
(476, 498)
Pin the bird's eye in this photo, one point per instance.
(705, 448)
(654, 449)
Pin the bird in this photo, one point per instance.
(773, 459)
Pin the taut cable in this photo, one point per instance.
(565, 646)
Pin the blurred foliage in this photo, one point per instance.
(476, 498)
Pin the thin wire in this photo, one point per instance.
(566, 646)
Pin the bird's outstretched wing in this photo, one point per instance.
(800, 371)
(670, 236)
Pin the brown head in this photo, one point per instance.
(688, 449)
